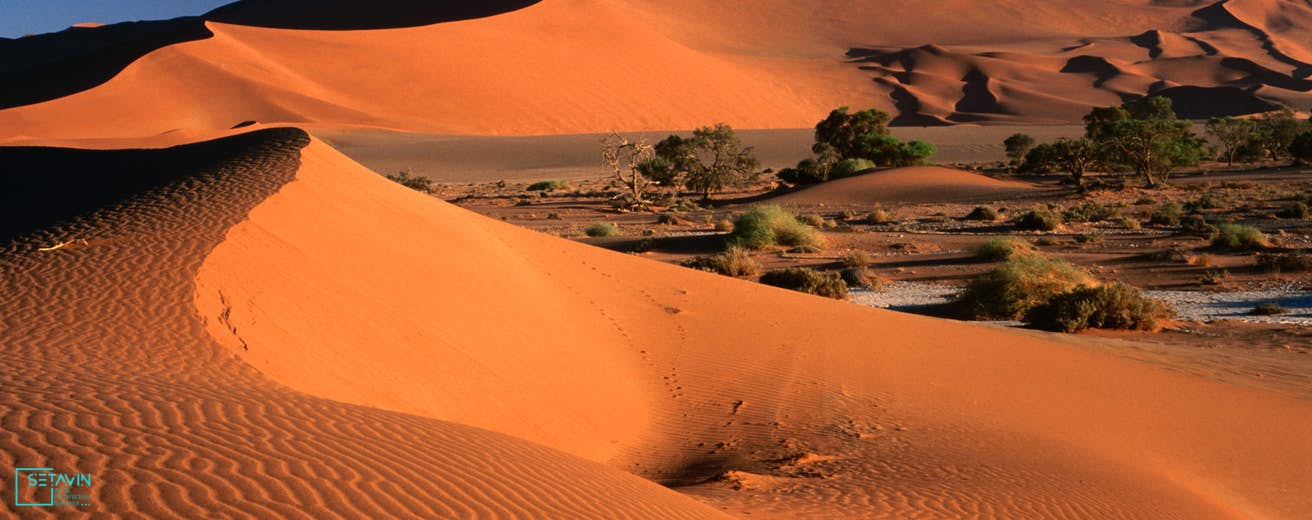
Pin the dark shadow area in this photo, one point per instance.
(355, 15)
(45, 187)
(1207, 102)
(40, 68)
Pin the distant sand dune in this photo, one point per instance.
(918, 184)
(639, 65)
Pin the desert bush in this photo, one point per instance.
(766, 226)
(1090, 212)
(414, 182)
(1296, 209)
(1166, 215)
(856, 258)
(1114, 306)
(812, 220)
(1145, 200)
(862, 278)
(1039, 220)
(732, 262)
(982, 213)
(1128, 223)
(1197, 225)
(670, 220)
(1014, 287)
(1089, 238)
(1239, 236)
(850, 167)
(1214, 277)
(880, 216)
(554, 216)
(1206, 201)
(1268, 309)
(724, 225)
(549, 186)
(1292, 262)
(806, 280)
(1003, 248)
(602, 229)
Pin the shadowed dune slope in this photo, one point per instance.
(779, 65)
(50, 66)
(349, 14)
(346, 286)
(108, 370)
(915, 184)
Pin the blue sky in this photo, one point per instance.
(19, 17)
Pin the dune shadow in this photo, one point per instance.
(44, 187)
(40, 68)
(340, 15)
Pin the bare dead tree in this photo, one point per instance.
(624, 157)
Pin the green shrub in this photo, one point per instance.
(733, 262)
(602, 229)
(1039, 220)
(1269, 309)
(1089, 212)
(1296, 209)
(806, 280)
(1002, 249)
(1114, 306)
(549, 186)
(1166, 215)
(982, 213)
(414, 182)
(1238, 236)
(1014, 287)
(850, 167)
(766, 226)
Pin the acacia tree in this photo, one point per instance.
(1145, 137)
(1017, 146)
(626, 158)
(1232, 134)
(713, 159)
(848, 133)
(1076, 156)
(1276, 131)
(721, 161)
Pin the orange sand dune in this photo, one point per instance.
(643, 65)
(918, 184)
(249, 327)
(751, 398)
(109, 370)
